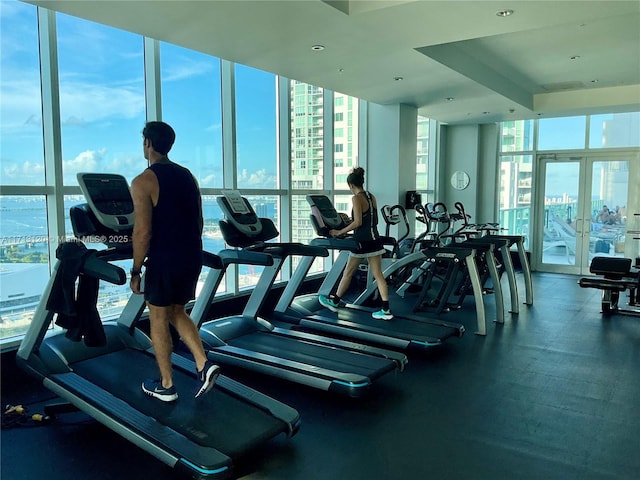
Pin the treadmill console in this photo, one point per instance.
(109, 197)
(107, 217)
(239, 212)
(324, 216)
(241, 226)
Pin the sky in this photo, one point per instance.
(102, 105)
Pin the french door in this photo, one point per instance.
(582, 208)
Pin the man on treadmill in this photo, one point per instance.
(168, 233)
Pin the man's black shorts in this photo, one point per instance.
(166, 285)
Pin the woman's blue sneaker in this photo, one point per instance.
(382, 314)
(328, 303)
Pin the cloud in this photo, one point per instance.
(181, 68)
(208, 181)
(127, 164)
(24, 173)
(259, 178)
(20, 102)
(87, 161)
(82, 103)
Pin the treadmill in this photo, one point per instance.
(202, 437)
(405, 333)
(250, 342)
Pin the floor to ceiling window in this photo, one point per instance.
(578, 165)
(425, 169)
(256, 120)
(307, 156)
(102, 98)
(21, 106)
(191, 94)
(24, 252)
(256, 151)
(102, 114)
(345, 138)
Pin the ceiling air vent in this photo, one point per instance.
(561, 86)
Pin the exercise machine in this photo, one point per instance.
(252, 342)
(201, 437)
(614, 276)
(354, 321)
(493, 230)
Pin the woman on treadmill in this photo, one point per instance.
(364, 224)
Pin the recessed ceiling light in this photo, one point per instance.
(504, 13)
(317, 48)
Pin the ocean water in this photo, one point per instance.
(23, 227)
(26, 216)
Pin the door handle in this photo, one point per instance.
(579, 226)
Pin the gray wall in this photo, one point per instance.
(474, 150)
(392, 150)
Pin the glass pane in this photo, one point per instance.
(24, 257)
(516, 136)
(422, 160)
(342, 204)
(614, 130)
(609, 187)
(265, 206)
(111, 298)
(302, 230)
(560, 212)
(562, 133)
(345, 138)
(307, 121)
(420, 223)
(516, 182)
(191, 99)
(256, 132)
(22, 150)
(102, 102)
(212, 240)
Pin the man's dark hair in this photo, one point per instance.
(161, 136)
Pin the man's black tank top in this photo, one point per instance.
(176, 225)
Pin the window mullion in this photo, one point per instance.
(152, 81)
(51, 126)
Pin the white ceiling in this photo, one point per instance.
(494, 68)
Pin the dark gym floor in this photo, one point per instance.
(554, 393)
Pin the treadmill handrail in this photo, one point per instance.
(97, 267)
(230, 256)
(336, 243)
(211, 260)
(285, 249)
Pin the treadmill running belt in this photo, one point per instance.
(217, 419)
(319, 356)
(410, 327)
